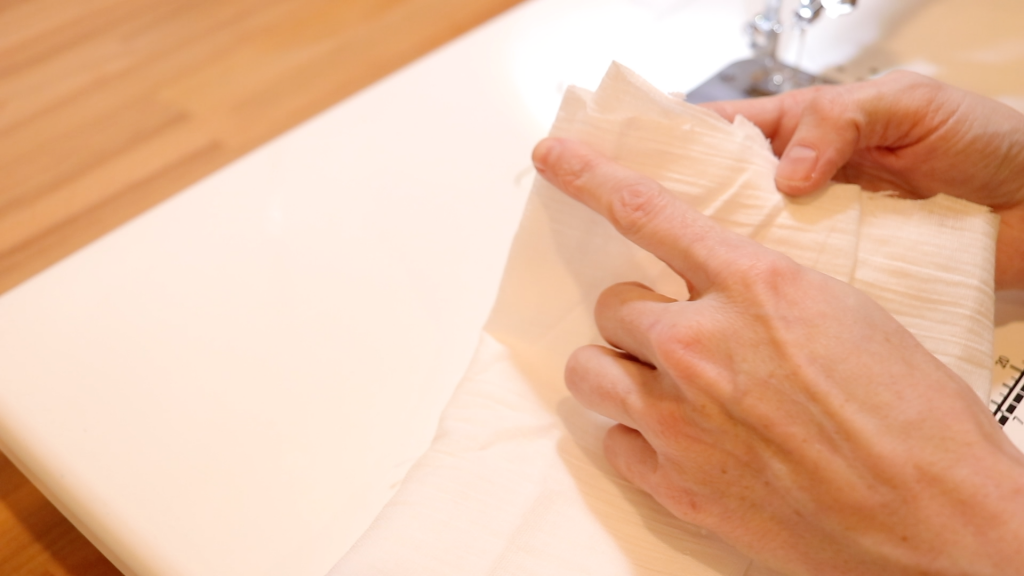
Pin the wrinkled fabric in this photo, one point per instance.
(515, 481)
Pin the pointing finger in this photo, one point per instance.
(642, 210)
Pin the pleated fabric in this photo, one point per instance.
(515, 482)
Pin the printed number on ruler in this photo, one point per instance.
(1008, 397)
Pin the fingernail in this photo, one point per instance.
(543, 152)
(797, 164)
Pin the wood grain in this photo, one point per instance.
(108, 107)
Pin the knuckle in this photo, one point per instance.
(665, 423)
(829, 111)
(816, 92)
(914, 86)
(767, 276)
(635, 206)
(828, 100)
(673, 345)
(572, 172)
(636, 409)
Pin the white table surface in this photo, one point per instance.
(236, 381)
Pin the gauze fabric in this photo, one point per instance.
(515, 481)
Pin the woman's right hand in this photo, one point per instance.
(902, 132)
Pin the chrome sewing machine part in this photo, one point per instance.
(809, 10)
(764, 74)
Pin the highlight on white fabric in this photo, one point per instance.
(515, 481)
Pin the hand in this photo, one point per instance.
(781, 408)
(901, 132)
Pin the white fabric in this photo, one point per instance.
(515, 482)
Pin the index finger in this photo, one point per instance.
(641, 210)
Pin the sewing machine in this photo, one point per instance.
(765, 74)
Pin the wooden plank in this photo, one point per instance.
(108, 107)
(35, 539)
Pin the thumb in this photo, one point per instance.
(825, 138)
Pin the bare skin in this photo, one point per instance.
(902, 132)
(786, 437)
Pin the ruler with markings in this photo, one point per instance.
(1007, 400)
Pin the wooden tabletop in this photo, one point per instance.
(108, 107)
